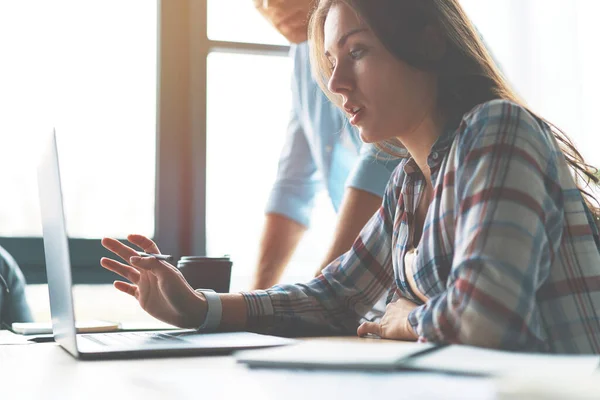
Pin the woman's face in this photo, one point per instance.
(383, 96)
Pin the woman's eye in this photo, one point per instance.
(356, 54)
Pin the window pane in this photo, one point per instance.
(248, 110)
(589, 79)
(87, 69)
(552, 66)
(245, 24)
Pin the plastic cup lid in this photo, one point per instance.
(196, 258)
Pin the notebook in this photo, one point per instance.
(480, 361)
(37, 328)
(336, 354)
(395, 355)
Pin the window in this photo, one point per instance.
(546, 49)
(248, 105)
(90, 70)
(80, 68)
(245, 25)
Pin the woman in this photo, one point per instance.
(483, 237)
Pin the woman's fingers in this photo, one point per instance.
(158, 267)
(125, 271)
(369, 327)
(143, 243)
(127, 288)
(123, 251)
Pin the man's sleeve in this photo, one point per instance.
(372, 170)
(298, 180)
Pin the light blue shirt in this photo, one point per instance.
(322, 151)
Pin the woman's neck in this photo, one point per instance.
(420, 140)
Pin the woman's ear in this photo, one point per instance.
(432, 45)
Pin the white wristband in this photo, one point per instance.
(213, 312)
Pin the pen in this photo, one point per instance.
(42, 339)
(165, 257)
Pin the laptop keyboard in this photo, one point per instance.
(132, 338)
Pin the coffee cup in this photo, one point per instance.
(203, 272)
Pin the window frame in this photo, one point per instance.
(181, 133)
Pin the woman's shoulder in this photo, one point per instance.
(503, 122)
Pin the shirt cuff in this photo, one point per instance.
(259, 310)
(290, 206)
(414, 317)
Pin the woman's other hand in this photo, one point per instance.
(394, 323)
(159, 287)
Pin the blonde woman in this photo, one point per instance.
(484, 233)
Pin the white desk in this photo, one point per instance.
(45, 371)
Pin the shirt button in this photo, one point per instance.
(435, 155)
(328, 149)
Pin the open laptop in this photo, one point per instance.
(113, 344)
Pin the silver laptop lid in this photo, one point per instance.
(56, 248)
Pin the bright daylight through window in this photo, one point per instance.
(89, 72)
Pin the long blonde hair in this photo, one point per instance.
(467, 73)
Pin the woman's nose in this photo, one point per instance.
(339, 82)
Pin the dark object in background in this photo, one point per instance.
(207, 272)
(13, 303)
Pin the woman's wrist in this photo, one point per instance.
(235, 314)
(196, 314)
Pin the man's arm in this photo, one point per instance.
(363, 197)
(357, 207)
(278, 242)
(290, 203)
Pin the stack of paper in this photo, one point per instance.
(334, 354)
(390, 355)
(476, 360)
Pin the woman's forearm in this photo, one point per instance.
(235, 314)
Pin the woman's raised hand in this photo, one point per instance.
(159, 287)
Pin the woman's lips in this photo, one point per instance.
(357, 116)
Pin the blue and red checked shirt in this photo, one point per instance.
(508, 258)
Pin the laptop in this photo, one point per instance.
(112, 344)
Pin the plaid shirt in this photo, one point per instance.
(508, 258)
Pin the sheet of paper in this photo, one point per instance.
(360, 385)
(553, 388)
(334, 353)
(85, 326)
(467, 359)
(7, 337)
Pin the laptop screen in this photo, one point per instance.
(56, 248)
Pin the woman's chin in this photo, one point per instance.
(365, 135)
(368, 136)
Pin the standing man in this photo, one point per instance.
(321, 150)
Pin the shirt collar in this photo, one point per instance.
(437, 153)
(438, 150)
